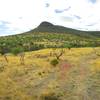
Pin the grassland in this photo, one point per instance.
(76, 77)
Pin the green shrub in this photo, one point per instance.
(17, 50)
(49, 97)
(54, 62)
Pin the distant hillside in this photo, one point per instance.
(48, 27)
(47, 35)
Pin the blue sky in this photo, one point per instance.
(93, 1)
(17, 16)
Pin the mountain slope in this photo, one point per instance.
(48, 27)
(47, 35)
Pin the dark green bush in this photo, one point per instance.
(54, 62)
(17, 50)
(49, 97)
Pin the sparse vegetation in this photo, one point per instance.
(81, 68)
(54, 62)
(36, 41)
(97, 51)
(75, 77)
(3, 51)
(19, 51)
(1, 68)
(58, 54)
(49, 97)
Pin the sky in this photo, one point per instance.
(18, 16)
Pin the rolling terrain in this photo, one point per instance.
(50, 28)
(47, 35)
(50, 62)
(75, 77)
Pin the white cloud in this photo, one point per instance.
(23, 15)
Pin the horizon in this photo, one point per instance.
(50, 23)
(21, 16)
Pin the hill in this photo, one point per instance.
(47, 35)
(64, 70)
(49, 27)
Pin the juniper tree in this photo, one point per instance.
(3, 51)
(19, 51)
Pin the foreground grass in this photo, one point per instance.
(76, 77)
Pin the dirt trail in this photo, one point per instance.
(81, 79)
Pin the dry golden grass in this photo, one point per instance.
(69, 79)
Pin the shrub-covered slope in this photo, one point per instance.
(47, 35)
